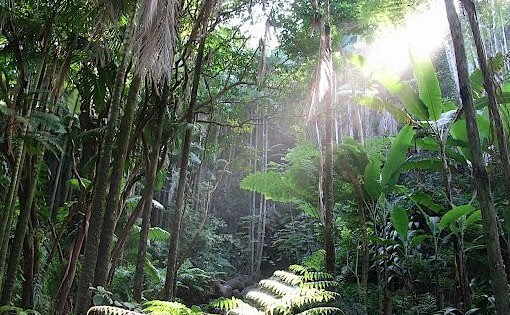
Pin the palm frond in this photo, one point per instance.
(154, 47)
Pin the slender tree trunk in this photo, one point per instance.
(481, 180)
(119, 245)
(112, 202)
(488, 79)
(21, 228)
(29, 264)
(62, 305)
(261, 224)
(173, 251)
(327, 147)
(102, 177)
(150, 181)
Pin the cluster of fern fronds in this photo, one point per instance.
(300, 290)
(297, 291)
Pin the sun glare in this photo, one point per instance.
(423, 31)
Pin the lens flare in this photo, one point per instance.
(423, 31)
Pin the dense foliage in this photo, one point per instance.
(155, 159)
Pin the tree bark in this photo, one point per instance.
(481, 180)
(327, 147)
(150, 180)
(112, 202)
(173, 251)
(21, 229)
(490, 89)
(102, 176)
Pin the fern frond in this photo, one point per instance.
(323, 284)
(314, 296)
(110, 310)
(277, 287)
(298, 269)
(316, 276)
(245, 309)
(8, 309)
(225, 304)
(288, 277)
(157, 233)
(322, 311)
(263, 299)
(157, 307)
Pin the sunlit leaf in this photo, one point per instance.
(428, 85)
(410, 99)
(396, 156)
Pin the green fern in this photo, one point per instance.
(277, 287)
(322, 284)
(291, 278)
(169, 308)
(7, 309)
(321, 311)
(316, 276)
(300, 291)
(298, 269)
(225, 304)
(109, 310)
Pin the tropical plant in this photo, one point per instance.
(298, 291)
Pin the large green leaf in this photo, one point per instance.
(396, 156)
(400, 221)
(410, 99)
(459, 132)
(372, 178)
(428, 85)
(427, 164)
(474, 217)
(426, 200)
(454, 215)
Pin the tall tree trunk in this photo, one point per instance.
(173, 250)
(112, 202)
(263, 204)
(21, 228)
(30, 261)
(102, 176)
(327, 146)
(150, 181)
(481, 180)
(488, 80)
